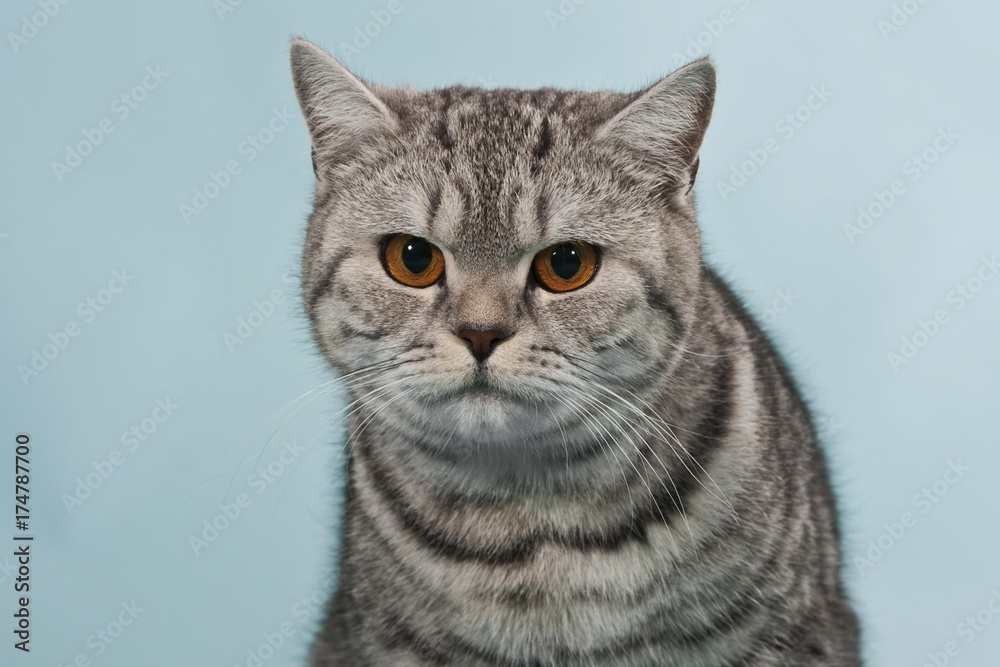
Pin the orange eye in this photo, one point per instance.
(565, 266)
(412, 260)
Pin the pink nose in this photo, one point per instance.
(482, 342)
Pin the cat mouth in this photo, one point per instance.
(480, 387)
(480, 383)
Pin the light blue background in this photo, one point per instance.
(890, 432)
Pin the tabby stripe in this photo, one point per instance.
(447, 647)
(443, 651)
(328, 274)
(441, 129)
(663, 509)
(542, 146)
(658, 300)
(426, 532)
(433, 204)
(350, 331)
(542, 214)
(399, 635)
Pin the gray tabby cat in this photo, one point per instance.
(570, 444)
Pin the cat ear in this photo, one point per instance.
(666, 123)
(341, 111)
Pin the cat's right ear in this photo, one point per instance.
(342, 111)
(665, 124)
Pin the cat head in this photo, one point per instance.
(486, 267)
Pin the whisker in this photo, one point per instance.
(355, 379)
(676, 497)
(665, 430)
(377, 366)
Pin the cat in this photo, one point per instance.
(569, 444)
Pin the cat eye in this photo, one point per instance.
(565, 266)
(412, 261)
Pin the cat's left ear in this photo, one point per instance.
(666, 123)
(342, 111)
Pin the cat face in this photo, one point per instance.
(492, 268)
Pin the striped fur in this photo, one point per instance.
(631, 478)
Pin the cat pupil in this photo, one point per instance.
(416, 256)
(565, 261)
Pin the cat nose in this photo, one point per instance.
(482, 342)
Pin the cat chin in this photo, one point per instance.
(487, 414)
(490, 417)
